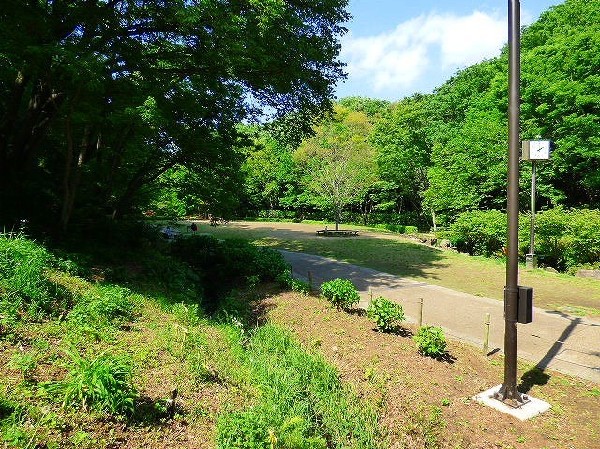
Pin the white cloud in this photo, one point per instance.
(399, 58)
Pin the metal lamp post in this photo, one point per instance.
(518, 300)
(508, 392)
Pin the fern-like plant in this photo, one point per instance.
(102, 383)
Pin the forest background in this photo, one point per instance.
(112, 113)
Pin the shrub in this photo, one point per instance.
(222, 262)
(102, 383)
(410, 230)
(228, 259)
(568, 238)
(386, 314)
(431, 341)
(479, 232)
(341, 293)
(550, 228)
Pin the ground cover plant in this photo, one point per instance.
(387, 314)
(147, 365)
(27, 291)
(201, 380)
(302, 405)
(103, 383)
(341, 293)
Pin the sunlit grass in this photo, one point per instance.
(401, 256)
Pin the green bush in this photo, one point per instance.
(410, 230)
(102, 384)
(386, 314)
(26, 292)
(341, 293)
(566, 239)
(431, 341)
(229, 258)
(394, 227)
(221, 263)
(480, 233)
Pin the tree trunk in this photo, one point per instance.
(72, 174)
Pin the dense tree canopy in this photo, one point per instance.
(441, 154)
(98, 98)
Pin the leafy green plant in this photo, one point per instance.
(386, 314)
(431, 341)
(302, 405)
(24, 362)
(341, 293)
(12, 429)
(288, 281)
(102, 383)
(26, 292)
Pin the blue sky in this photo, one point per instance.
(395, 48)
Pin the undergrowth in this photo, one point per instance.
(64, 337)
(302, 404)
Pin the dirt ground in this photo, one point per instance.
(427, 403)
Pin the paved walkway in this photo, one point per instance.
(554, 340)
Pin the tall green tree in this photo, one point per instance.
(339, 163)
(561, 99)
(404, 147)
(269, 173)
(100, 97)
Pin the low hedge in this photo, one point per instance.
(565, 239)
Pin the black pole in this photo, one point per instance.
(508, 392)
(532, 230)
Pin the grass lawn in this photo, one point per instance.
(401, 256)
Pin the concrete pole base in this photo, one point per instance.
(522, 411)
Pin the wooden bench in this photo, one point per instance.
(337, 233)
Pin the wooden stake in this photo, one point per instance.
(486, 334)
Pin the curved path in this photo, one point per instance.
(554, 340)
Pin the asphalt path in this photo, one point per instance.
(553, 340)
